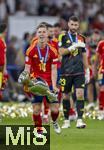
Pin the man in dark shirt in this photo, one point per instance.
(74, 64)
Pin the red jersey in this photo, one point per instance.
(100, 51)
(54, 43)
(2, 52)
(33, 59)
(34, 40)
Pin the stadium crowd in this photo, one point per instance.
(91, 14)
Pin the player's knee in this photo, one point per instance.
(65, 96)
(55, 107)
(80, 94)
(1, 68)
(102, 88)
(36, 110)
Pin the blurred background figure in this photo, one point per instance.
(3, 32)
(26, 41)
(92, 88)
(100, 73)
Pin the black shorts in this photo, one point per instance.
(76, 81)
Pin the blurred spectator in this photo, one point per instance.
(93, 18)
(11, 58)
(21, 10)
(92, 8)
(11, 51)
(26, 41)
(11, 4)
(43, 7)
(31, 6)
(3, 10)
(54, 10)
(57, 29)
(59, 3)
(98, 21)
(66, 11)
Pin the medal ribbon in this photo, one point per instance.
(70, 36)
(44, 59)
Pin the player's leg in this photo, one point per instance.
(37, 106)
(66, 109)
(54, 108)
(101, 97)
(46, 111)
(90, 95)
(72, 112)
(66, 85)
(54, 114)
(79, 81)
(1, 80)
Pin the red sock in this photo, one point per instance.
(71, 111)
(54, 115)
(101, 100)
(46, 107)
(37, 120)
(1, 96)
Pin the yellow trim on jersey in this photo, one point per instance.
(30, 48)
(1, 79)
(53, 49)
(55, 39)
(60, 37)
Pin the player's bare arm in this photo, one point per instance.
(86, 66)
(96, 64)
(27, 68)
(54, 77)
(85, 60)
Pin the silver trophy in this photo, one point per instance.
(37, 86)
(40, 87)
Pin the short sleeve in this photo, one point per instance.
(61, 40)
(28, 57)
(2, 53)
(83, 39)
(54, 56)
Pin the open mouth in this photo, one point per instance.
(41, 37)
(73, 30)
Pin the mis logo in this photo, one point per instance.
(23, 136)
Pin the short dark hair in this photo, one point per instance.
(42, 26)
(45, 23)
(3, 27)
(74, 18)
(57, 25)
(49, 26)
(26, 35)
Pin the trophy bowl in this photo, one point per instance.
(40, 87)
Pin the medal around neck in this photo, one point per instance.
(42, 59)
